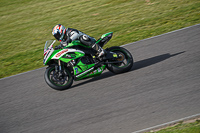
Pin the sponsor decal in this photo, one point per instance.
(76, 69)
(94, 72)
(99, 70)
(61, 52)
(68, 56)
(85, 72)
(47, 55)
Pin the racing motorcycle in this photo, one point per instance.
(77, 61)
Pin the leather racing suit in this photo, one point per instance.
(74, 34)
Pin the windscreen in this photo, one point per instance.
(48, 44)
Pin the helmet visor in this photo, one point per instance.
(61, 37)
(57, 36)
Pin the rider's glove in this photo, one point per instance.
(63, 44)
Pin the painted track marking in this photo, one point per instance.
(166, 124)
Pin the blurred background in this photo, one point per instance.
(25, 25)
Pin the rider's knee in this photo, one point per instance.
(84, 39)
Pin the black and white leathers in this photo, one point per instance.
(74, 34)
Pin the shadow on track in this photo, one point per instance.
(153, 60)
(136, 65)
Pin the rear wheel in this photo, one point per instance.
(58, 81)
(125, 58)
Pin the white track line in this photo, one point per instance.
(121, 46)
(166, 124)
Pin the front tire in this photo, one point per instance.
(57, 82)
(125, 57)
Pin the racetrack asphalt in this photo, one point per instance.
(162, 86)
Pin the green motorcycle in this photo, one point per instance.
(77, 61)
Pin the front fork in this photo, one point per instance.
(58, 68)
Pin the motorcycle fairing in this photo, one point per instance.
(93, 73)
(62, 52)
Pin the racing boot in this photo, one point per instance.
(100, 50)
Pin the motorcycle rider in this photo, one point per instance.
(68, 35)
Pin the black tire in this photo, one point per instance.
(127, 59)
(58, 83)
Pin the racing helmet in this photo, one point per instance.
(59, 32)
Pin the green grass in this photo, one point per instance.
(26, 24)
(182, 128)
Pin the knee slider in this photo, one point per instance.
(84, 39)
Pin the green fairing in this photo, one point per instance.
(104, 35)
(76, 55)
(76, 43)
(52, 55)
(94, 73)
(80, 67)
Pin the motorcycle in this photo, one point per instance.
(77, 61)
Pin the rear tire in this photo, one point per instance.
(126, 58)
(58, 83)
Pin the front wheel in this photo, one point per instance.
(56, 80)
(125, 58)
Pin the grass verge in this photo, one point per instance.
(181, 127)
(26, 25)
